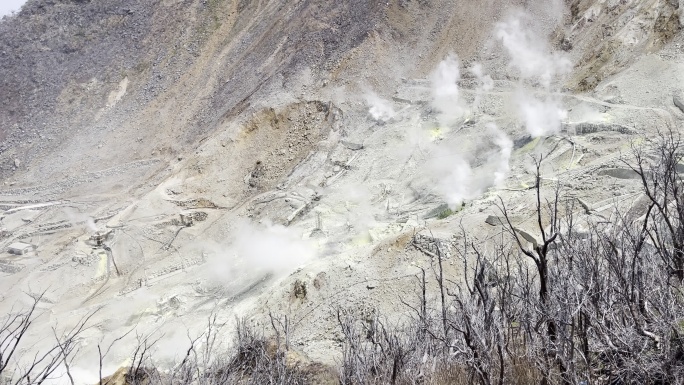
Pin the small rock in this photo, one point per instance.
(320, 280)
(17, 162)
(529, 237)
(678, 100)
(619, 173)
(494, 220)
(300, 289)
(585, 205)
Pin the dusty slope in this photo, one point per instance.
(237, 114)
(182, 66)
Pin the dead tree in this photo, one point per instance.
(479, 318)
(541, 258)
(659, 170)
(16, 368)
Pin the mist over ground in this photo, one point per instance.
(297, 168)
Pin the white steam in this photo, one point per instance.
(531, 56)
(449, 167)
(379, 108)
(445, 92)
(450, 171)
(259, 249)
(541, 116)
(505, 145)
(452, 176)
(76, 218)
(358, 210)
(485, 83)
(587, 113)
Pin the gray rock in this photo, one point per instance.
(619, 173)
(494, 220)
(529, 237)
(678, 100)
(352, 146)
(436, 211)
(590, 128)
(585, 205)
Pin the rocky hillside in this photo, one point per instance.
(183, 66)
(186, 67)
(226, 154)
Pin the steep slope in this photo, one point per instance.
(182, 66)
(306, 142)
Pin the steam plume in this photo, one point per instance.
(505, 145)
(259, 248)
(531, 57)
(379, 108)
(445, 92)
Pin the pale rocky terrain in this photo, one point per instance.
(308, 142)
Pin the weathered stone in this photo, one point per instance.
(585, 205)
(436, 211)
(352, 146)
(494, 220)
(678, 100)
(619, 173)
(522, 141)
(528, 237)
(320, 280)
(591, 127)
(432, 246)
(299, 289)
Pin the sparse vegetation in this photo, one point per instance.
(593, 302)
(194, 131)
(445, 213)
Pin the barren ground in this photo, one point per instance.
(251, 119)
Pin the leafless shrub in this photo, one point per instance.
(582, 301)
(374, 354)
(18, 369)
